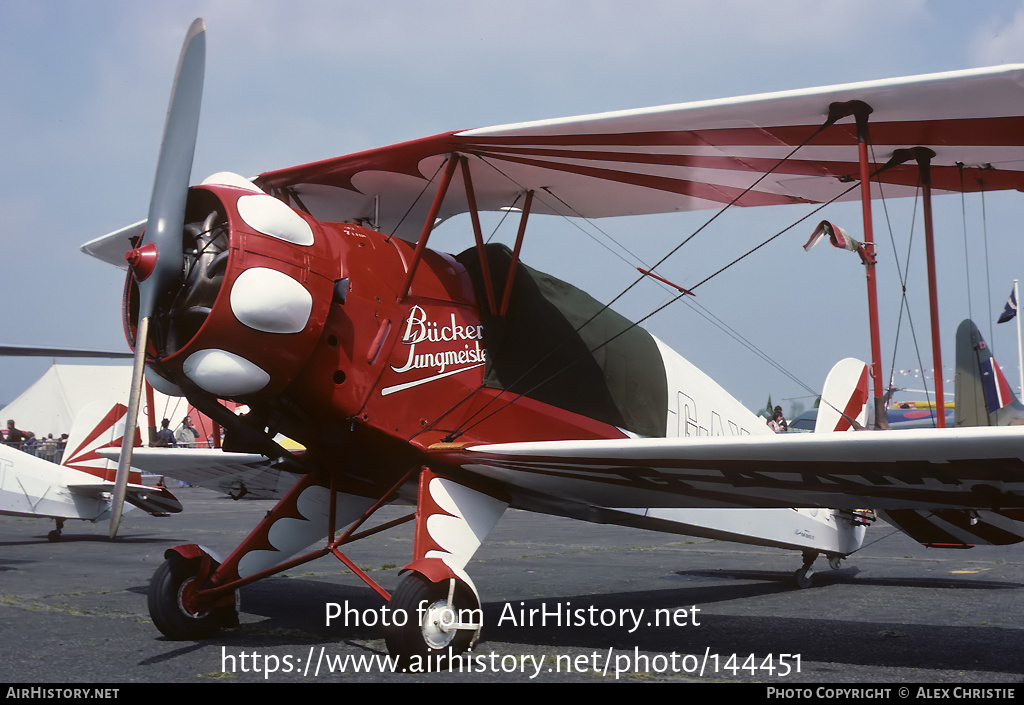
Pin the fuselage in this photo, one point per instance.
(374, 354)
(33, 487)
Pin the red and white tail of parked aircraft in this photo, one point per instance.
(466, 384)
(82, 485)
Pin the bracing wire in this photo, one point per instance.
(417, 199)
(904, 277)
(504, 215)
(464, 427)
(963, 218)
(988, 275)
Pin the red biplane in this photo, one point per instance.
(467, 384)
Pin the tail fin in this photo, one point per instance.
(98, 425)
(982, 395)
(982, 398)
(844, 399)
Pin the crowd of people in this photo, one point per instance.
(186, 435)
(48, 448)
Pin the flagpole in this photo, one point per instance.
(868, 256)
(1020, 358)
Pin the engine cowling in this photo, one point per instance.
(257, 282)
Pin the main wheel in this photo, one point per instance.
(437, 617)
(172, 583)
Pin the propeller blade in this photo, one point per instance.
(157, 264)
(130, 422)
(174, 169)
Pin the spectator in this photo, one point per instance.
(15, 437)
(186, 434)
(165, 436)
(49, 449)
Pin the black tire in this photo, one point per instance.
(804, 578)
(423, 640)
(167, 611)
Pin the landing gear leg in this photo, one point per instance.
(803, 576)
(436, 597)
(54, 535)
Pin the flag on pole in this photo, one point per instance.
(837, 236)
(1010, 310)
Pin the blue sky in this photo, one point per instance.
(86, 84)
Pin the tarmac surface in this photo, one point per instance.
(75, 611)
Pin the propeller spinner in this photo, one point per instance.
(156, 263)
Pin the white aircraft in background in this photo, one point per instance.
(81, 486)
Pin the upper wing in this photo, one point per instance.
(927, 468)
(31, 351)
(687, 156)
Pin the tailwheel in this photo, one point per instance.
(803, 577)
(440, 619)
(171, 599)
(54, 535)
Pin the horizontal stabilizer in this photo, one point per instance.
(155, 500)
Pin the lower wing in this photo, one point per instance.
(236, 474)
(971, 468)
